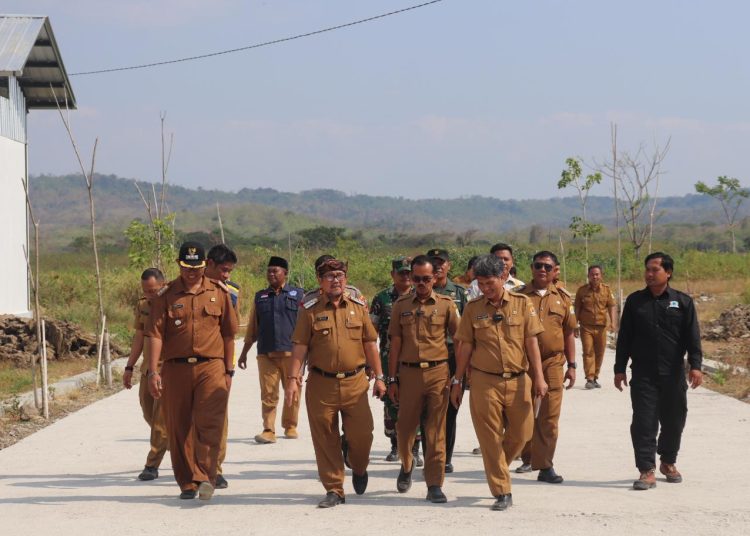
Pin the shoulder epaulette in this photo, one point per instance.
(518, 289)
(221, 285)
(405, 297)
(310, 303)
(357, 299)
(162, 290)
(564, 291)
(476, 298)
(233, 285)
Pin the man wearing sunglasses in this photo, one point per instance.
(498, 335)
(380, 314)
(336, 334)
(557, 347)
(418, 374)
(442, 285)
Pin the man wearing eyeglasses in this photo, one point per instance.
(498, 335)
(192, 325)
(418, 374)
(380, 314)
(336, 334)
(442, 285)
(557, 347)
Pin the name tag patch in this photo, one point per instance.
(483, 317)
(674, 305)
(407, 313)
(321, 318)
(177, 306)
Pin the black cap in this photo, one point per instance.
(439, 254)
(278, 261)
(401, 264)
(192, 255)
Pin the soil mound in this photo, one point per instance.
(733, 323)
(64, 340)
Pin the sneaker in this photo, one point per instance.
(647, 480)
(403, 481)
(149, 473)
(449, 467)
(502, 503)
(221, 482)
(524, 468)
(597, 384)
(291, 433)
(205, 491)
(670, 471)
(393, 455)
(590, 384)
(265, 437)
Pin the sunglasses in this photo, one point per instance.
(543, 265)
(421, 278)
(331, 276)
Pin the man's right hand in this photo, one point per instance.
(242, 361)
(154, 386)
(621, 379)
(127, 379)
(291, 393)
(393, 393)
(540, 387)
(457, 393)
(577, 333)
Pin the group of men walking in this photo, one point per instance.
(512, 345)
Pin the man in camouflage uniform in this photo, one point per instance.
(380, 314)
(442, 261)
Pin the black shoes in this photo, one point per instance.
(221, 482)
(597, 384)
(330, 500)
(502, 502)
(477, 451)
(524, 468)
(549, 476)
(403, 482)
(189, 494)
(149, 473)
(360, 483)
(449, 467)
(436, 495)
(393, 455)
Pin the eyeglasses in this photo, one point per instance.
(540, 265)
(421, 278)
(330, 276)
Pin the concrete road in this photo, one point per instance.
(78, 477)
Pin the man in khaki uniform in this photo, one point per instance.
(594, 305)
(418, 374)
(498, 331)
(152, 281)
(557, 347)
(192, 325)
(271, 323)
(336, 334)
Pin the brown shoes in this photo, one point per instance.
(647, 480)
(291, 433)
(265, 437)
(670, 471)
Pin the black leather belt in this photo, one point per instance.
(339, 375)
(424, 364)
(190, 359)
(504, 375)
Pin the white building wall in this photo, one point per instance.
(14, 293)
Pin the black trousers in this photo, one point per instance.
(452, 414)
(658, 401)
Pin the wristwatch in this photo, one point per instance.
(572, 365)
(229, 373)
(380, 378)
(456, 381)
(151, 373)
(392, 379)
(129, 368)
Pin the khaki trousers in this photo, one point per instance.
(153, 415)
(593, 342)
(326, 398)
(540, 451)
(195, 405)
(502, 413)
(271, 372)
(422, 393)
(223, 445)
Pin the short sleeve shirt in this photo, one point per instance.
(334, 335)
(592, 306)
(556, 315)
(142, 311)
(499, 343)
(423, 327)
(192, 323)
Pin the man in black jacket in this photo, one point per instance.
(658, 326)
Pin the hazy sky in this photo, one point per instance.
(459, 98)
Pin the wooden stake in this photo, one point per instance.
(564, 270)
(45, 384)
(107, 360)
(99, 352)
(221, 226)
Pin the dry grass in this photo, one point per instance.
(15, 380)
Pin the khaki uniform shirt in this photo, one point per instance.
(556, 314)
(499, 346)
(334, 336)
(142, 310)
(192, 323)
(592, 306)
(423, 327)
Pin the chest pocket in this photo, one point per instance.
(264, 305)
(292, 304)
(437, 324)
(513, 327)
(354, 328)
(407, 323)
(212, 313)
(323, 329)
(556, 313)
(483, 329)
(177, 318)
(673, 318)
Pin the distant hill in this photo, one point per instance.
(62, 206)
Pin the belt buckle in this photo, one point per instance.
(340, 375)
(507, 375)
(192, 359)
(424, 364)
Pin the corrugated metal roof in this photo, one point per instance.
(29, 52)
